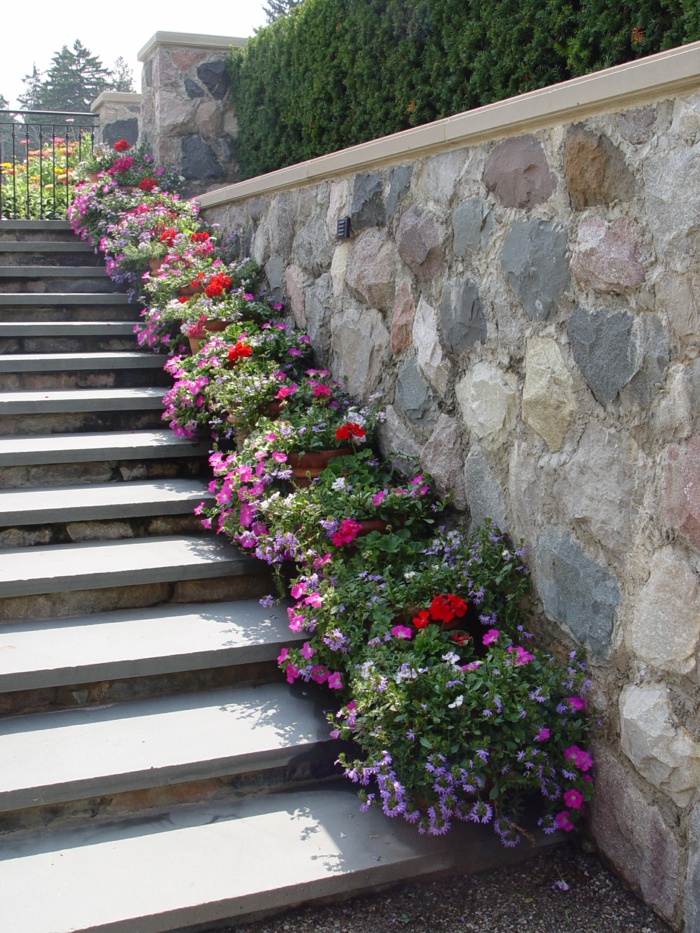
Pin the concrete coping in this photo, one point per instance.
(653, 78)
(189, 40)
(114, 97)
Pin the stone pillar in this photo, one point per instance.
(186, 115)
(119, 117)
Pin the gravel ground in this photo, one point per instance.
(500, 901)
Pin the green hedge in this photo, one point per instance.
(334, 73)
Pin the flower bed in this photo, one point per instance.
(454, 708)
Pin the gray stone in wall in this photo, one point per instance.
(462, 319)
(576, 591)
(472, 223)
(147, 73)
(316, 304)
(274, 272)
(312, 247)
(613, 349)
(280, 226)
(484, 495)
(213, 76)
(419, 239)
(192, 89)
(399, 180)
(535, 263)
(368, 208)
(692, 879)
(516, 171)
(636, 125)
(199, 161)
(121, 129)
(414, 396)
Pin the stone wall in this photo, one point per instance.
(528, 310)
(118, 113)
(186, 116)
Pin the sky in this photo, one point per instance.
(109, 30)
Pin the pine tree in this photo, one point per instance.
(74, 80)
(122, 76)
(4, 104)
(273, 9)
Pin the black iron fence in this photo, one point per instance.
(39, 150)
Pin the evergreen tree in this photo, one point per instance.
(122, 76)
(30, 99)
(273, 9)
(4, 104)
(74, 80)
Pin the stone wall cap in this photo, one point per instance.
(622, 86)
(189, 40)
(114, 97)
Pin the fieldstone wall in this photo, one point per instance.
(186, 116)
(118, 113)
(528, 310)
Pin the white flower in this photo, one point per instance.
(457, 703)
(366, 670)
(409, 575)
(451, 658)
(506, 555)
(338, 484)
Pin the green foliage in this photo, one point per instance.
(333, 73)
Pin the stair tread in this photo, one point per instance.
(57, 362)
(213, 863)
(60, 272)
(100, 500)
(139, 643)
(71, 754)
(94, 565)
(45, 246)
(22, 225)
(64, 328)
(59, 299)
(98, 445)
(61, 400)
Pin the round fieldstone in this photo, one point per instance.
(595, 169)
(606, 257)
(462, 318)
(536, 266)
(516, 171)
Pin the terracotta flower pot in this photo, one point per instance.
(187, 291)
(314, 463)
(214, 326)
(127, 189)
(154, 265)
(92, 177)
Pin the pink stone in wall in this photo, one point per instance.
(682, 489)
(419, 238)
(607, 255)
(186, 58)
(402, 319)
(516, 171)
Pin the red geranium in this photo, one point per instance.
(348, 430)
(147, 184)
(121, 145)
(347, 531)
(217, 285)
(168, 236)
(422, 620)
(122, 165)
(200, 237)
(460, 638)
(183, 299)
(238, 351)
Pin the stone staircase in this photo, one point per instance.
(156, 773)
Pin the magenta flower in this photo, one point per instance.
(307, 651)
(279, 457)
(491, 636)
(319, 674)
(292, 673)
(401, 631)
(282, 655)
(379, 497)
(573, 798)
(563, 822)
(314, 599)
(582, 760)
(298, 590)
(576, 703)
(334, 682)
(542, 735)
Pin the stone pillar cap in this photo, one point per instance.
(189, 40)
(115, 97)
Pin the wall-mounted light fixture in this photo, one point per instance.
(343, 230)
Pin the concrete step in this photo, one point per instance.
(44, 226)
(61, 299)
(138, 398)
(51, 758)
(68, 567)
(65, 328)
(46, 246)
(232, 862)
(107, 457)
(96, 502)
(52, 272)
(71, 362)
(96, 447)
(42, 335)
(140, 643)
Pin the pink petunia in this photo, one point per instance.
(490, 636)
(334, 682)
(573, 798)
(401, 631)
(542, 735)
(307, 651)
(563, 822)
(576, 703)
(379, 497)
(298, 590)
(282, 655)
